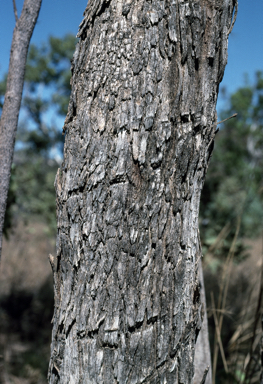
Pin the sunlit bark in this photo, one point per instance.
(139, 135)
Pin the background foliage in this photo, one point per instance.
(233, 186)
(39, 143)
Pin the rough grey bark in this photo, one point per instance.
(139, 135)
(8, 124)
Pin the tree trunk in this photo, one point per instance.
(202, 347)
(14, 87)
(139, 135)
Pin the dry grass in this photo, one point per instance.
(25, 257)
(239, 290)
(26, 305)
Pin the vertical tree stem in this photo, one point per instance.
(15, 80)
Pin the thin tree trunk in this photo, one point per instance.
(14, 87)
(202, 347)
(139, 135)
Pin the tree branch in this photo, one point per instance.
(15, 10)
(228, 118)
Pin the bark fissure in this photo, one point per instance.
(139, 128)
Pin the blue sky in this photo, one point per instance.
(58, 17)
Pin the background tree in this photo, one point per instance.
(10, 110)
(46, 92)
(26, 298)
(140, 128)
(233, 185)
(232, 198)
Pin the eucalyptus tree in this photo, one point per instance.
(139, 135)
(10, 110)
